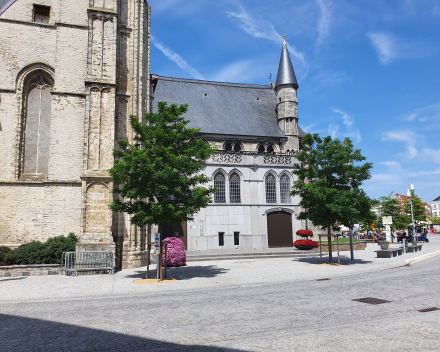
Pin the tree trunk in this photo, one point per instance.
(329, 239)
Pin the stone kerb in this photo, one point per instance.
(30, 270)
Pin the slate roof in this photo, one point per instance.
(227, 108)
(286, 74)
(3, 4)
(436, 199)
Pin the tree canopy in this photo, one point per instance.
(390, 206)
(158, 176)
(328, 182)
(419, 211)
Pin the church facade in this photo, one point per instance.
(256, 133)
(72, 72)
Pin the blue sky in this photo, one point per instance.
(367, 69)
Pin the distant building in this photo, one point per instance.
(435, 206)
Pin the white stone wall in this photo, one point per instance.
(248, 217)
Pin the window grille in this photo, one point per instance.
(285, 189)
(234, 188)
(236, 238)
(220, 195)
(271, 192)
(221, 238)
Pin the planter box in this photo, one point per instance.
(357, 246)
(30, 270)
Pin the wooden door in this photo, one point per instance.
(279, 229)
(175, 230)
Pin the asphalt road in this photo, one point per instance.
(307, 315)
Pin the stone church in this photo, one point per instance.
(72, 72)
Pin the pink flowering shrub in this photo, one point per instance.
(175, 252)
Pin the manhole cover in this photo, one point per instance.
(428, 309)
(371, 300)
(323, 279)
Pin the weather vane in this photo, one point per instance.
(270, 77)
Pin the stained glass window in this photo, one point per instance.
(234, 188)
(271, 191)
(285, 189)
(220, 195)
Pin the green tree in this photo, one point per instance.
(419, 211)
(391, 207)
(435, 219)
(158, 177)
(328, 182)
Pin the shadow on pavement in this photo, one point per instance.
(184, 272)
(27, 334)
(12, 279)
(343, 259)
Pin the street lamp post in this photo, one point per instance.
(408, 193)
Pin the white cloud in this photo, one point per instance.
(390, 48)
(348, 121)
(236, 72)
(407, 137)
(326, 8)
(431, 155)
(330, 78)
(333, 130)
(428, 113)
(263, 29)
(177, 59)
(385, 45)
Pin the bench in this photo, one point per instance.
(390, 252)
(414, 248)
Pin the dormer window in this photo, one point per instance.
(41, 14)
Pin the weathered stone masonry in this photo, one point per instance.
(90, 62)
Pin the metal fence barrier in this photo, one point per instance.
(88, 261)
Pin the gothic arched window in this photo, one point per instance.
(285, 189)
(234, 188)
(37, 101)
(271, 190)
(220, 194)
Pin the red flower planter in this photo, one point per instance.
(305, 244)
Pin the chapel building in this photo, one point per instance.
(255, 129)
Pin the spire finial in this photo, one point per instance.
(284, 36)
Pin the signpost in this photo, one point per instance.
(157, 252)
(387, 221)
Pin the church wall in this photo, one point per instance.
(8, 130)
(248, 217)
(37, 211)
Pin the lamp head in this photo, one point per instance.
(411, 187)
(408, 192)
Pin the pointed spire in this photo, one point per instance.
(286, 74)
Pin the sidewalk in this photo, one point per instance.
(204, 275)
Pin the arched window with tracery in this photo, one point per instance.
(220, 194)
(36, 114)
(285, 189)
(271, 190)
(234, 188)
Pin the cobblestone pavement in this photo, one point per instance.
(306, 315)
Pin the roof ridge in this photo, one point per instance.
(215, 83)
